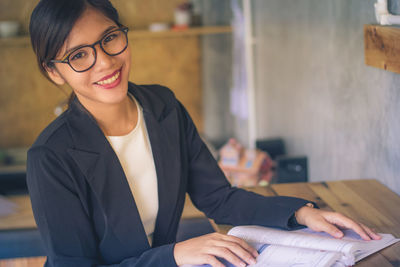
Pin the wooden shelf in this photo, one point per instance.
(135, 34)
(382, 47)
(190, 31)
(12, 169)
(16, 41)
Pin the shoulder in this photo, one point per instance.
(156, 94)
(160, 91)
(55, 135)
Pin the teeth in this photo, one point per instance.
(109, 80)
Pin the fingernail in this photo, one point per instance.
(338, 234)
(255, 254)
(243, 264)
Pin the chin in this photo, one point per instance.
(116, 96)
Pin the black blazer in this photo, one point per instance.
(85, 210)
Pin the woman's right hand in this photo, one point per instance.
(205, 249)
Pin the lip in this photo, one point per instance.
(113, 84)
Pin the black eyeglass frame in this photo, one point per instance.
(66, 60)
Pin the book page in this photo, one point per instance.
(259, 234)
(361, 248)
(280, 256)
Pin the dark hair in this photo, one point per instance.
(52, 21)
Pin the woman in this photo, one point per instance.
(108, 177)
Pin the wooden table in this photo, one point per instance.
(367, 201)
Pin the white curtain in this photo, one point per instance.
(239, 94)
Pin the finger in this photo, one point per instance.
(242, 243)
(342, 220)
(238, 250)
(211, 260)
(370, 232)
(329, 228)
(228, 255)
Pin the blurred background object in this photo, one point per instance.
(182, 16)
(9, 28)
(245, 167)
(158, 27)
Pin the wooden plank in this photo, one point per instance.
(220, 228)
(382, 47)
(300, 190)
(135, 34)
(342, 199)
(12, 169)
(362, 211)
(178, 67)
(326, 194)
(375, 259)
(190, 211)
(392, 253)
(23, 262)
(372, 191)
(22, 218)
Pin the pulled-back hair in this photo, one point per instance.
(52, 21)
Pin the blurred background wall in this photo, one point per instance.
(314, 90)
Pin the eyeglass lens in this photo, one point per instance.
(85, 57)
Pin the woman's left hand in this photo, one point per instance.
(329, 221)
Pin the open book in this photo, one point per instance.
(306, 248)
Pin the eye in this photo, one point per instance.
(78, 55)
(109, 38)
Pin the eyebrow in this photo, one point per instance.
(78, 46)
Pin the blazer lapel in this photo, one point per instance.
(103, 171)
(162, 129)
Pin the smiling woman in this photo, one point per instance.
(108, 178)
(99, 26)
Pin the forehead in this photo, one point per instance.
(87, 29)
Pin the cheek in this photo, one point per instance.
(127, 58)
(78, 81)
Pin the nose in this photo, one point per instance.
(103, 60)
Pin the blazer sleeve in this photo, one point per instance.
(63, 221)
(211, 192)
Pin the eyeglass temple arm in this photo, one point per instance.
(59, 61)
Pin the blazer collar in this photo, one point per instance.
(85, 131)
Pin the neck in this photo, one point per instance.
(115, 119)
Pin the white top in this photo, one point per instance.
(135, 155)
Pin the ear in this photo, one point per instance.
(54, 75)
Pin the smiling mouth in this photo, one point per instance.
(111, 79)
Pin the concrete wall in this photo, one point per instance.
(314, 90)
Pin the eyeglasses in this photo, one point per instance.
(83, 58)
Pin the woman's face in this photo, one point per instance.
(107, 81)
